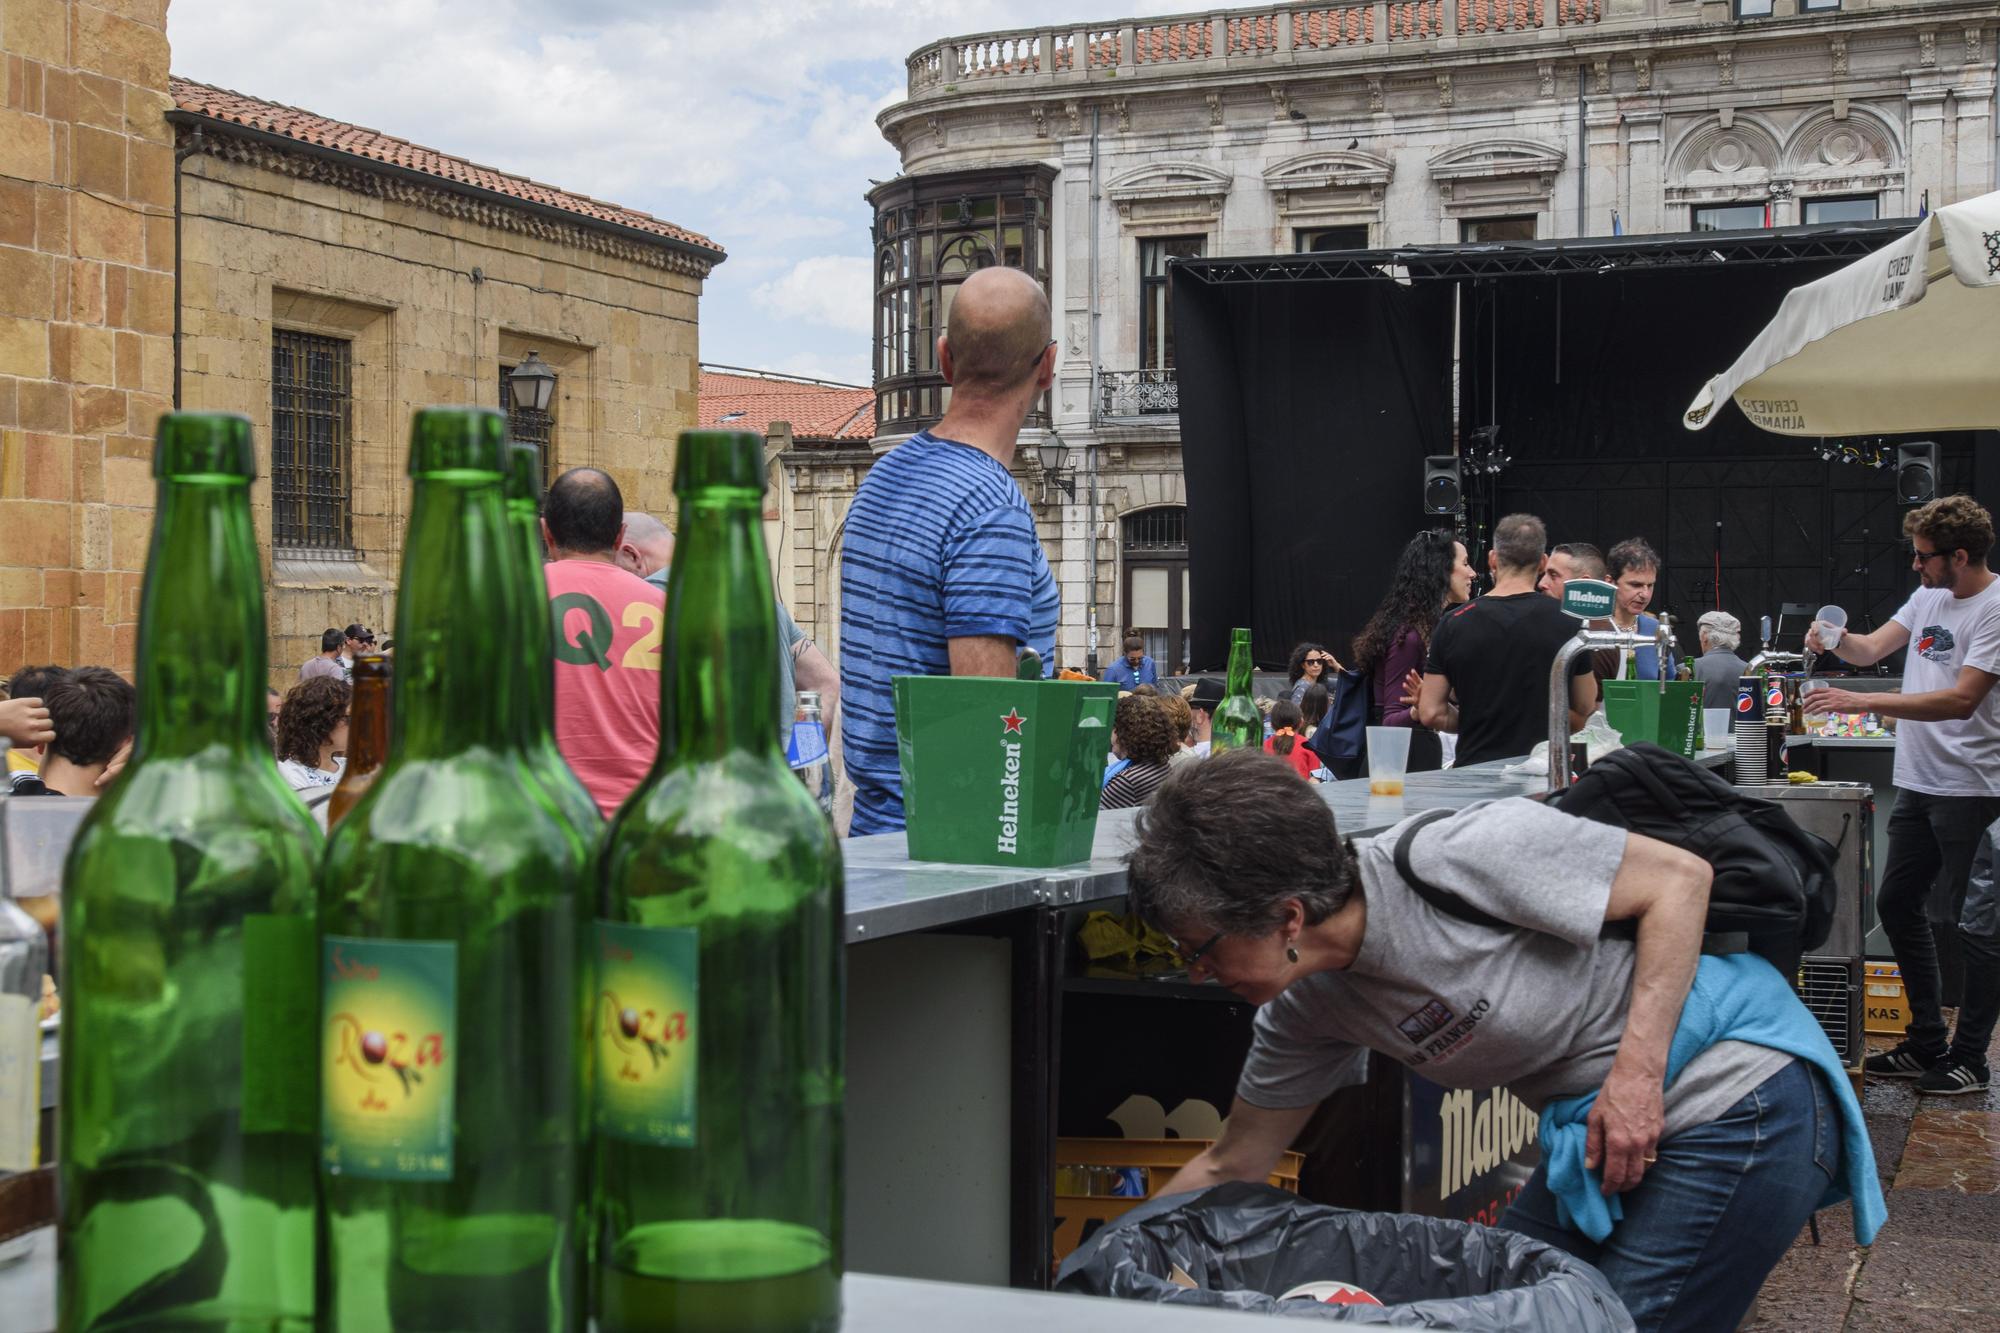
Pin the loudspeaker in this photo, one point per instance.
(1917, 472)
(1443, 490)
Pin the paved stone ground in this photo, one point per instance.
(1936, 1263)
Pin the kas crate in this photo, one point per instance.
(1002, 772)
(1101, 1179)
(1885, 1009)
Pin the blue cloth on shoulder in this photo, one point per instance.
(1735, 997)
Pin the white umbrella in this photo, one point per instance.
(1905, 339)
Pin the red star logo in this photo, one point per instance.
(1012, 720)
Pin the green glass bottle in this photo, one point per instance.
(449, 903)
(534, 643)
(186, 1101)
(716, 1189)
(1237, 721)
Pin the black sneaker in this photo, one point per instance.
(1901, 1062)
(1951, 1076)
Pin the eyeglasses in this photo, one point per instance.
(1322, 660)
(1036, 359)
(1190, 959)
(1924, 557)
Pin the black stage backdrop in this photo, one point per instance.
(1308, 405)
(1306, 413)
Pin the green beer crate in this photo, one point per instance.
(1639, 711)
(1002, 772)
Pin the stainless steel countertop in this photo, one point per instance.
(888, 893)
(874, 1304)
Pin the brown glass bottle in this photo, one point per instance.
(367, 734)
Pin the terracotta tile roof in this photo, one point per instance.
(820, 412)
(290, 122)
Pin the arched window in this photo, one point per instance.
(1155, 578)
(931, 232)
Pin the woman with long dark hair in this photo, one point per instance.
(1432, 574)
(1311, 665)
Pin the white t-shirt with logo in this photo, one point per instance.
(1947, 633)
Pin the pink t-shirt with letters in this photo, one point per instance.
(608, 629)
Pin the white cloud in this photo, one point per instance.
(750, 121)
(828, 290)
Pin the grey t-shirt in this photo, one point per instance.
(1540, 1010)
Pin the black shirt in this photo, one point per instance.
(1497, 652)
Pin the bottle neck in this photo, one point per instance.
(721, 642)
(534, 639)
(203, 665)
(368, 725)
(453, 617)
(1239, 666)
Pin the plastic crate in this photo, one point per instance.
(1885, 1009)
(1088, 1170)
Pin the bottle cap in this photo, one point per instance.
(458, 439)
(524, 473)
(212, 444)
(726, 458)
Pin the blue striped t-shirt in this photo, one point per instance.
(939, 545)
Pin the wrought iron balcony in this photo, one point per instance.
(1138, 393)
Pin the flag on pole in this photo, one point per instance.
(1617, 224)
(1767, 214)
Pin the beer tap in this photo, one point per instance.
(1589, 640)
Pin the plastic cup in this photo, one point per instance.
(1831, 622)
(1715, 727)
(1388, 760)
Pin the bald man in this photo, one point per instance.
(941, 571)
(647, 548)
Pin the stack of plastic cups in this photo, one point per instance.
(1748, 766)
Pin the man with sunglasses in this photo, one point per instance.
(1135, 668)
(1948, 781)
(941, 571)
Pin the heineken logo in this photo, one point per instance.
(1588, 599)
(1010, 782)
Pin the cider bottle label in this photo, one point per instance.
(390, 1010)
(645, 1029)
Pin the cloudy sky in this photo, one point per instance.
(750, 121)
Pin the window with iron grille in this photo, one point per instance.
(528, 426)
(312, 442)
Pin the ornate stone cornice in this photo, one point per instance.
(356, 177)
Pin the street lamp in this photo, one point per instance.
(532, 384)
(1053, 455)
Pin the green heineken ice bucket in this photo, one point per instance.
(1002, 772)
(1639, 711)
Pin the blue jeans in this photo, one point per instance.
(1714, 1215)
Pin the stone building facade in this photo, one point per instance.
(86, 319)
(335, 279)
(1093, 155)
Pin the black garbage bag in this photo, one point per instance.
(1245, 1245)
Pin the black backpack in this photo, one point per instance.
(1774, 891)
